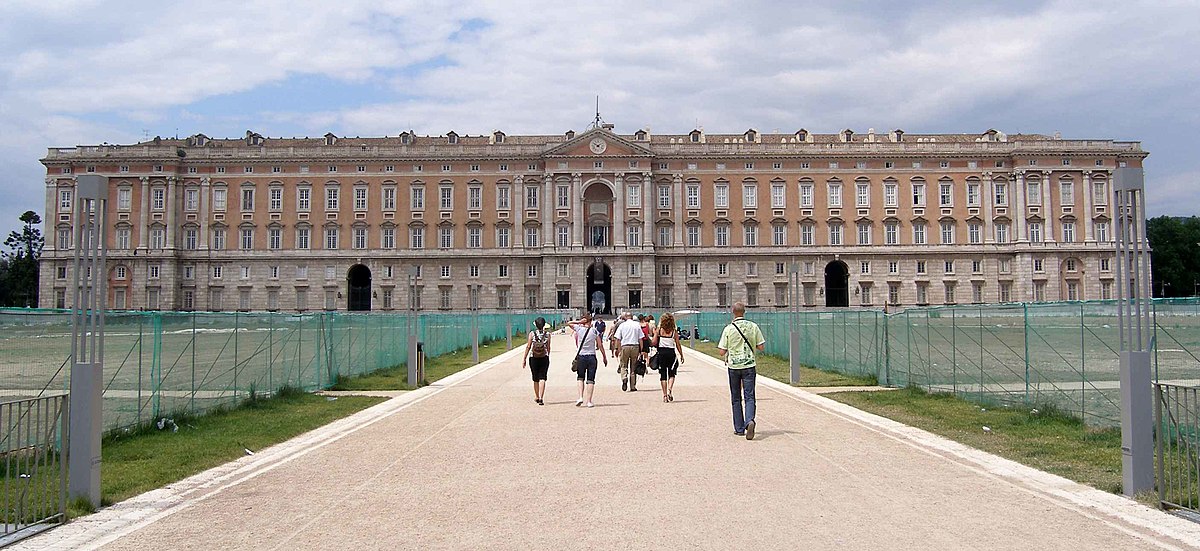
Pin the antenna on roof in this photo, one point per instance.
(597, 122)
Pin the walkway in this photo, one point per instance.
(473, 463)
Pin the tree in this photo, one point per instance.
(1175, 264)
(19, 271)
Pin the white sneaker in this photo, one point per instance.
(591, 405)
(579, 402)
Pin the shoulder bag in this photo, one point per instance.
(575, 362)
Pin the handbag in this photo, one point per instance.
(575, 362)
(640, 368)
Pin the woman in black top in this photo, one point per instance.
(537, 357)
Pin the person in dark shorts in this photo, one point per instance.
(537, 357)
(668, 356)
(590, 336)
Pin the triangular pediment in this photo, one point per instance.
(613, 146)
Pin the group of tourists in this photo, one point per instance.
(638, 344)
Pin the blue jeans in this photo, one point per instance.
(741, 387)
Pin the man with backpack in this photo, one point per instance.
(737, 346)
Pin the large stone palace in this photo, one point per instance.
(597, 219)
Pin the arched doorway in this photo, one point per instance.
(598, 215)
(599, 288)
(837, 284)
(359, 282)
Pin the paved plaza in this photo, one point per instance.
(473, 463)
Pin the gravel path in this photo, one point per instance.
(473, 463)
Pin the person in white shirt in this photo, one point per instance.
(590, 339)
(629, 334)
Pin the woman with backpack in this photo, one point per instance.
(537, 357)
(669, 355)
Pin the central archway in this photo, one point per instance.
(837, 284)
(599, 288)
(358, 280)
(598, 215)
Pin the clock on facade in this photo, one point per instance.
(598, 145)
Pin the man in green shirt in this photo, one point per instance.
(738, 351)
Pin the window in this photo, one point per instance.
(947, 233)
(218, 239)
(835, 234)
(893, 293)
(446, 198)
(835, 195)
(1105, 265)
(331, 238)
(664, 270)
(977, 292)
(302, 272)
(1002, 232)
(949, 286)
(891, 233)
(191, 239)
(921, 267)
(417, 198)
(474, 168)
(976, 266)
(633, 195)
(445, 271)
(949, 267)
(474, 238)
(750, 235)
(862, 195)
(123, 235)
(503, 195)
(721, 235)
(389, 198)
(890, 194)
(447, 168)
(833, 164)
(158, 238)
(219, 200)
(360, 198)
(275, 199)
(503, 238)
(274, 238)
(1106, 290)
(1033, 192)
(749, 196)
(864, 234)
(303, 238)
(1005, 266)
(531, 271)
(303, 199)
(922, 292)
(974, 233)
(1068, 232)
(721, 196)
(387, 240)
(445, 238)
(1071, 265)
(125, 199)
(1001, 193)
(778, 199)
(864, 267)
(125, 168)
(1035, 232)
(1039, 291)
(1100, 229)
(635, 269)
(665, 236)
(247, 239)
(331, 198)
(1099, 194)
(806, 195)
(722, 295)
(360, 239)
(502, 271)
(972, 194)
(778, 235)
(919, 237)
(531, 237)
(158, 199)
(945, 195)
(503, 167)
(1066, 191)
(806, 234)
(918, 194)
(780, 268)
(693, 196)
(633, 236)
(1005, 291)
(664, 197)
(218, 271)
(248, 169)
(531, 197)
(153, 271)
(893, 267)
(247, 199)
(1039, 265)
(564, 197)
(191, 200)
(245, 272)
(944, 164)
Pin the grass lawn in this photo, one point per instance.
(777, 368)
(436, 368)
(142, 460)
(1048, 440)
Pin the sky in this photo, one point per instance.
(77, 72)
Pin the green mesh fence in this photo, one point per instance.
(161, 363)
(1063, 354)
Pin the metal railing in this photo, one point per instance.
(1177, 419)
(34, 463)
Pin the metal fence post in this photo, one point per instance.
(1025, 333)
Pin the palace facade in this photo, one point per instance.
(597, 219)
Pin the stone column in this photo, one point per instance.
(143, 241)
(577, 210)
(649, 211)
(547, 212)
(677, 201)
(50, 221)
(205, 183)
(988, 202)
(517, 197)
(1084, 217)
(619, 210)
(1051, 215)
(171, 204)
(1020, 233)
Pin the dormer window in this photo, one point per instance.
(498, 137)
(452, 138)
(897, 135)
(405, 138)
(751, 135)
(570, 134)
(640, 135)
(330, 139)
(802, 135)
(847, 135)
(694, 136)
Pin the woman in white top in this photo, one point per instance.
(669, 355)
(589, 338)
